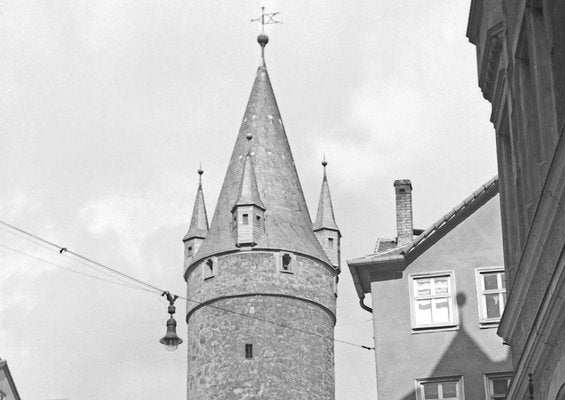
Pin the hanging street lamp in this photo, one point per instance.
(171, 341)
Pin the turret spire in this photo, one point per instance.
(325, 216)
(248, 192)
(199, 221)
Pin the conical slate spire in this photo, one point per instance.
(325, 217)
(199, 222)
(288, 225)
(248, 192)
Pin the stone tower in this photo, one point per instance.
(263, 321)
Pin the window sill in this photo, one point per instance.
(489, 324)
(435, 328)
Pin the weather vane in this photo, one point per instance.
(266, 19)
(263, 39)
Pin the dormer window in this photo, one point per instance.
(258, 220)
(331, 242)
(245, 219)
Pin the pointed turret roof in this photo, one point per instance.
(325, 217)
(199, 222)
(248, 191)
(262, 137)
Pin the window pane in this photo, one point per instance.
(430, 391)
(493, 308)
(423, 312)
(499, 386)
(441, 285)
(441, 311)
(423, 287)
(449, 390)
(503, 277)
(490, 281)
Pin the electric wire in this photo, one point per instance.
(154, 289)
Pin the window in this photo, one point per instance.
(209, 269)
(491, 293)
(286, 263)
(245, 219)
(438, 389)
(248, 350)
(496, 385)
(258, 220)
(432, 301)
(330, 243)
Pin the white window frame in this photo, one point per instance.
(453, 322)
(458, 379)
(489, 395)
(485, 322)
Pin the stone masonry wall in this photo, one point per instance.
(286, 364)
(259, 272)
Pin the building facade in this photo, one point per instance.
(437, 297)
(262, 276)
(521, 67)
(8, 389)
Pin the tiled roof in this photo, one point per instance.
(386, 254)
(248, 192)
(288, 224)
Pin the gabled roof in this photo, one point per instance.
(262, 135)
(398, 258)
(325, 218)
(199, 221)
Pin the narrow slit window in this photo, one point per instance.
(248, 351)
(331, 242)
(286, 260)
(209, 269)
(245, 219)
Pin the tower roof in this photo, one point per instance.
(248, 191)
(263, 140)
(199, 222)
(325, 217)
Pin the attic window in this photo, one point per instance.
(245, 219)
(286, 263)
(331, 242)
(209, 269)
(401, 190)
(248, 351)
(258, 220)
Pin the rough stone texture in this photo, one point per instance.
(249, 272)
(286, 364)
(334, 251)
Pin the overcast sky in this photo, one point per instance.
(107, 107)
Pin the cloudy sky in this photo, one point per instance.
(107, 107)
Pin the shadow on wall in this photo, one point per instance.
(462, 351)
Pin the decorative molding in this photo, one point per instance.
(491, 60)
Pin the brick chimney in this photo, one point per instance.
(404, 226)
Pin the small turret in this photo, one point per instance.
(198, 224)
(325, 227)
(248, 212)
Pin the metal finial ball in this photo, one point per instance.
(249, 136)
(200, 171)
(262, 39)
(324, 163)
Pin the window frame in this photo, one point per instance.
(488, 378)
(206, 273)
(458, 379)
(453, 322)
(280, 262)
(484, 321)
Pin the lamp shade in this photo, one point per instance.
(171, 341)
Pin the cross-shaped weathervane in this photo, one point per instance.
(266, 19)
